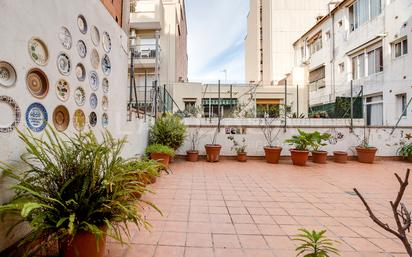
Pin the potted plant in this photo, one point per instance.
(340, 156)
(301, 143)
(168, 130)
(239, 148)
(75, 191)
(147, 171)
(193, 153)
(272, 152)
(405, 151)
(318, 155)
(315, 244)
(366, 153)
(213, 149)
(160, 153)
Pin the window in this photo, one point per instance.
(342, 67)
(327, 35)
(362, 11)
(401, 105)
(317, 79)
(374, 110)
(315, 43)
(367, 63)
(400, 48)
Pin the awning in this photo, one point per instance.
(268, 101)
(215, 101)
(317, 74)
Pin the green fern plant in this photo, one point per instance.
(68, 185)
(315, 244)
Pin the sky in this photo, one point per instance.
(216, 33)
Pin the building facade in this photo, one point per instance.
(119, 10)
(273, 26)
(360, 49)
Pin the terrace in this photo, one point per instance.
(255, 209)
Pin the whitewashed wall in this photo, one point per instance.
(24, 19)
(342, 138)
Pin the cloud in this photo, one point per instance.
(216, 39)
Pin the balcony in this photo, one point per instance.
(146, 14)
(146, 56)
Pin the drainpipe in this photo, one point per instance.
(332, 61)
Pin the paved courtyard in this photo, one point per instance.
(253, 209)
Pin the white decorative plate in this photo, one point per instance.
(107, 42)
(105, 85)
(106, 65)
(95, 34)
(38, 51)
(95, 59)
(105, 103)
(64, 64)
(80, 96)
(8, 75)
(94, 80)
(105, 120)
(93, 100)
(9, 122)
(82, 24)
(80, 72)
(63, 90)
(65, 38)
(81, 48)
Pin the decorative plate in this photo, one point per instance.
(105, 103)
(8, 75)
(105, 85)
(81, 48)
(107, 42)
(79, 120)
(65, 38)
(80, 96)
(63, 90)
(80, 72)
(105, 120)
(93, 100)
(9, 126)
(93, 119)
(37, 83)
(106, 65)
(82, 24)
(38, 51)
(94, 80)
(95, 59)
(95, 34)
(36, 117)
(64, 64)
(61, 118)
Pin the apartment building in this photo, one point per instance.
(361, 48)
(158, 34)
(119, 10)
(273, 26)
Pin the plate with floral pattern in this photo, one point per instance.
(106, 65)
(79, 120)
(93, 100)
(8, 75)
(94, 80)
(107, 42)
(11, 105)
(63, 90)
(80, 96)
(36, 117)
(105, 85)
(105, 120)
(95, 59)
(81, 48)
(64, 64)
(65, 38)
(38, 51)
(93, 119)
(80, 72)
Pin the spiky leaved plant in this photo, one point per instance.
(315, 244)
(74, 184)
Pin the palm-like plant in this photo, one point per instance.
(73, 185)
(302, 141)
(315, 244)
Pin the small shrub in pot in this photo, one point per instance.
(168, 130)
(301, 144)
(366, 152)
(160, 153)
(213, 149)
(270, 132)
(319, 140)
(192, 155)
(239, 148)
(405, 151)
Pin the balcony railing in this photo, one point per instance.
(147, 51)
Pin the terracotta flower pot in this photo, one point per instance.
(84, 245)
(272, 154)
(366, 155)
(299, 158)
(410, 158)
(319, 157)
(192, 156)
(242, 157)
(213, 152)
(340, 157)
(161, 157)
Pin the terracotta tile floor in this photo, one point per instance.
(253, 209)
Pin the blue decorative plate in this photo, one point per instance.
(36, 117)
